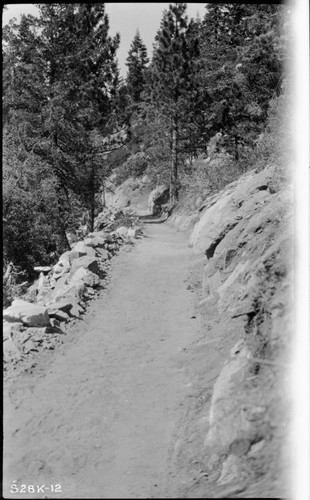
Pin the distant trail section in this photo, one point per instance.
(99, 417)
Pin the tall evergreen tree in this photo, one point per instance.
(59, 87)
(242, 71)
(173, 79)
(73, 85)
(136, 62)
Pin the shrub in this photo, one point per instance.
(137, 164)
(211, 177)
(117, 158)
(274, 146)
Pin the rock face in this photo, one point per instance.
(244, 236)
(223, 211)
(245, 232)
(133, 193)
(227, 423)
(157, 198)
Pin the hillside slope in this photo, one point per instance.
(240, 427)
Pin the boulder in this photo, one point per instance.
(58, 314)
(102, 219)
(80, 250)
(89, 263)
(27, 313)
(32, 292)
(158, 197)
(75, 290)
(102, 253)
(85, 276)
(61, 268)
(132, 232)
(122, 231)
(113, 247)
(64, 257)
(100, 234)
(61, 305)
(76, 310)
(68, 304)
(95, 242)
(60, 284)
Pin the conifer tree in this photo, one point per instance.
(59, 87)
(242, 71)
(136, 62)
(173, 79)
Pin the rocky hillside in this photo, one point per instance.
(242, 428)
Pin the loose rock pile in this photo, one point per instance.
(60, 294)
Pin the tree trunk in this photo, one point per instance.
(91, 211)
(91, 218)
(62, 241)
(236, 148)
(103, 204)
(174, 165)
(7, 275)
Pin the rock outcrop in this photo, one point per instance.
(244, 233)
(133, 193)
(157, 198)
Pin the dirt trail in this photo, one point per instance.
(99, 417)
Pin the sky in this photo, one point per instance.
(125, 18)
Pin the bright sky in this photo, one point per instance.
(124, 18)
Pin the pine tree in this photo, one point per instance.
(59, 87)
(173, 77)
(83, 78)
(242, 70)
(136, 62)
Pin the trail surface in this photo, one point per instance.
(98, 418)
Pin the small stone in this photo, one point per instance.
(132, 233)
(240, 446)
(54, 322)
(256, 447)
(61, 304)
(42, 269)
(30, 346)
(60, 315)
